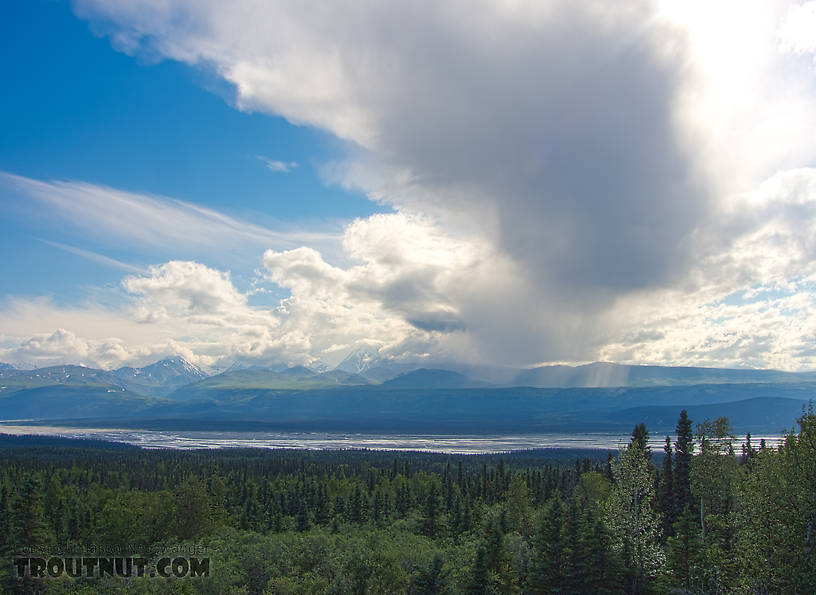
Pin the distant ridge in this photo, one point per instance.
(750, 407)
(365, 367)
(155, 380)
(433, 378)
(161, 378)
(221, 386)
(601, 374)
(368, 362)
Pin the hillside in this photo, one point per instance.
(753, 407)
(161, 378)
(608, 375)
(425, 378)
(221, 386)
(156, 380)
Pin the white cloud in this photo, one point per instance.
(278, 166)
(572, 181)
(185, 289)
(141, 221)
(96, 257)
(796, 31)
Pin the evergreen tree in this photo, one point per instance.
(640, 435)
(574, 569)
(479, 574)
(667, 496)
(431, 580)
(27, 528)
(602, 570)
(518, 505)
(684, 450)
(748, 451)
(302, 519)
(4, 513)
(683, 553)
(431, 512)
(546, 565)
(192, 506)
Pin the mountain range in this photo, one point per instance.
(367, 393)
(156, 380)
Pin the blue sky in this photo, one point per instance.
(491, 183)
(73, 108)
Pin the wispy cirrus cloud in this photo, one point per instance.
(572, 181)
(278, 166)
(144, 221)
(96, 257)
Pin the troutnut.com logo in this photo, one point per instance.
(118, 566)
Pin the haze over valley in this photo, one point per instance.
(597, 397)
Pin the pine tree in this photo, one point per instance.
(302, 519)
(683, 552)
(431, 511)
(4, 513)
(193, 514)
(640, 435)
(27, 529)
(574, 557)
(748, 451)
(684, 450)
(477, 585)
(430, 580)
(546, 565)
(518, 505)
(667, 497)
(602, 570)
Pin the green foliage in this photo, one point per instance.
(546, 573)
(632, 518)
(712, 473)
(668, 504)
(368, 522)
(775, 513)
(684, 450)
(192, 507)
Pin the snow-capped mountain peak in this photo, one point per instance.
(360, 359)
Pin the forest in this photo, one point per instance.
(710, 513)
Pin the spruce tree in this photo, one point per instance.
(684, 449)
(546, 565)
(683, 551)
(477, 585)
(430, 580)
(574, 556)
(667, 497)
(602, 568)
(27, 528)
(640, 435)
(302, 519)
(431, 512)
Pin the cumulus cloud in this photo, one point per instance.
(572, 181)
(185, 289)
(182, 308)
(796, 31)
(62, 346)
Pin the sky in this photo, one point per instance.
(502, 182)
